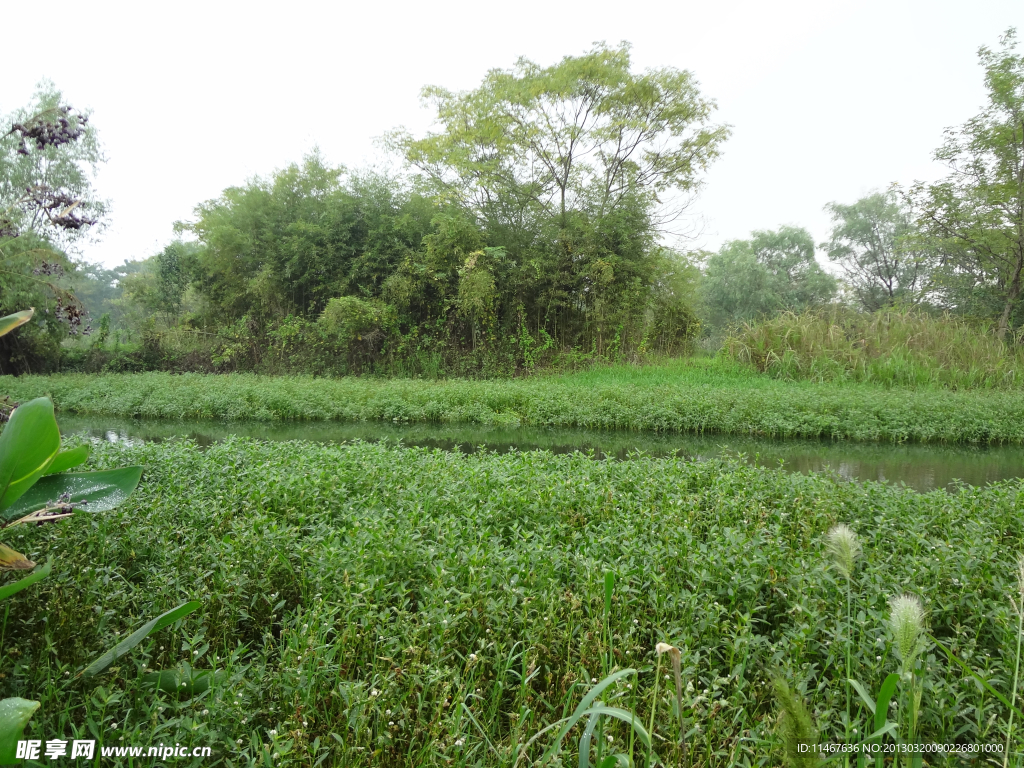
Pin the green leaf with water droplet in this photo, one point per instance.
(103, 490)
(14, 716)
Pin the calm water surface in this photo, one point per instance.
(921, 467)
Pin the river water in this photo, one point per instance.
(922, 467)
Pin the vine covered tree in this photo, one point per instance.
(48, 157)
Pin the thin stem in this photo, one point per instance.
(654, 707)
(848, 672)
(1013, 694)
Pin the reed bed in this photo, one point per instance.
(890, 348)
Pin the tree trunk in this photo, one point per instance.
(1011, 296)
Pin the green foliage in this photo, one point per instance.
(796, 727)
(357, 326)
(30, 449)
(772, 271)
(136, 637)
(29, 444)
(583, 134)
(67, 167)
(700, 396)
(159, 286)
(14, 716)
(36, 346)
(505, 247)
(873, 241)
(348, 597)
(893, 348)
(974, 218)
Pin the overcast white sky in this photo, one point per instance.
(828, 99)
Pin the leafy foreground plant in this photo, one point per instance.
(35, 487)
(357, 596)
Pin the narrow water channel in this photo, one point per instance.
(922, 467)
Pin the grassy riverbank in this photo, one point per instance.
(381, 606)
(693, 395)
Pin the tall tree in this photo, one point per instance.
(585, 133)
(772, 271)
(872, 241)
(974, 218)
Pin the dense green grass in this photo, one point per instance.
(704, 396)
(386, 606)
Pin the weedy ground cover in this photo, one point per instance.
(370, 605)
(695, 395)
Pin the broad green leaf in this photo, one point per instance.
(10, 560)
(12, 589)
(190, 681)
(103, 490)
(9, 323)
(65, 460)
(14, 716)
(28, 444)
(615, 761)
(137, 637)
(885, 694)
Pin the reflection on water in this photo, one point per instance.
(921, 467)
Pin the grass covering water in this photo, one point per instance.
(693, 395)
(385, 606)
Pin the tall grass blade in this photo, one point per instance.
(7, 590)
(138, 636)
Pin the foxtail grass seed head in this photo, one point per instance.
(906, 622)
(844, 548)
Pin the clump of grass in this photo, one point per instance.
(890, 347)
(796, 727)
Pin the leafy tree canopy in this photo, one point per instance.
(872, 240)
(772, 271)
(974, 218)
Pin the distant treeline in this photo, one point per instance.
(526, 230)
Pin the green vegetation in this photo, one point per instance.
(891, 348)
(701, 396)
(383, 606)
